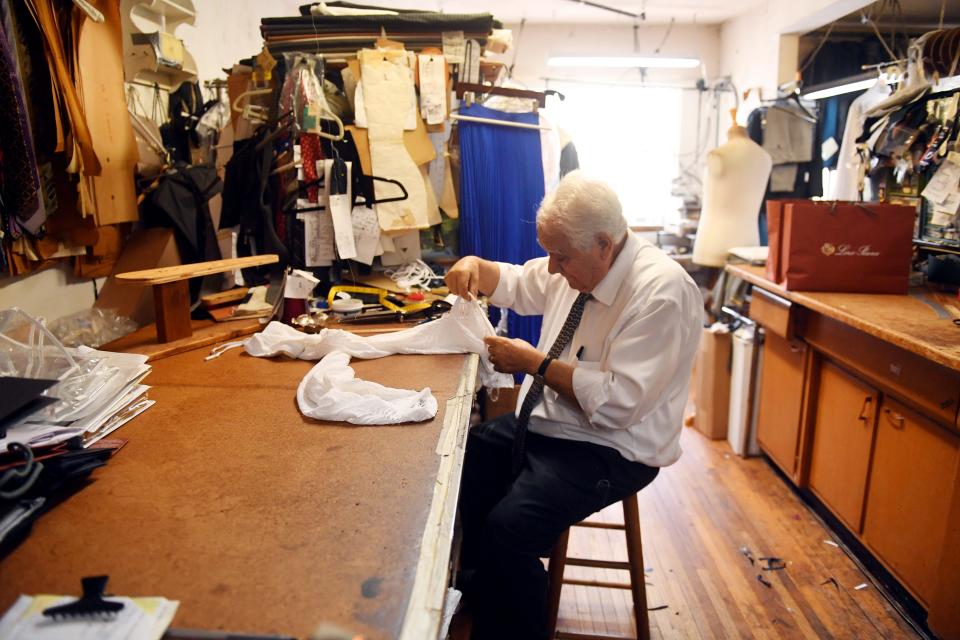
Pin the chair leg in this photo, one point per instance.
(558, 559)
(631, 518)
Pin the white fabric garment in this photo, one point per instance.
(324, 392)
(331, 391)
(550, 149)
(849, 162)
(636, 342)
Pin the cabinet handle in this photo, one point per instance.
(896, 419)
(863, 409)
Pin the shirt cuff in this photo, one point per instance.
(506, 291)
(591, 386)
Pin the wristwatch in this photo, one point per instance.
(542, 371)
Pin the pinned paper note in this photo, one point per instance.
(943, 184)
(318, 236)
(299, 284)
(454, 46)
(433, 88)
(340, 206)
(366, 233)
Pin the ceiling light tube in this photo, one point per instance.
(840, 87)
(623, 62)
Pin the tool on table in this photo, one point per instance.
(385, 298)
(431, 311)
(90, 605)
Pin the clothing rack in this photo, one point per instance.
(539, 96)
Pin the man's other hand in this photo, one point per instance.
(512, 355)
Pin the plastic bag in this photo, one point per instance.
(92, 327)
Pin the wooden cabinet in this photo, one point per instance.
(844, 421)
(914, 466)
(781, 399)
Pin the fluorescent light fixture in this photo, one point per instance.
(839, 87)
(622, 62)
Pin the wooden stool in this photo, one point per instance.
(634, 564)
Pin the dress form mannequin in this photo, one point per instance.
(733, 187)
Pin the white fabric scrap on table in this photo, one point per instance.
(323, 393)
(331, 391)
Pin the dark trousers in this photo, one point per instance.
(509, 524)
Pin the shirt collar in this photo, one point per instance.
(606, 290)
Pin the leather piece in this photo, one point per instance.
(100, 61)
(63, 83)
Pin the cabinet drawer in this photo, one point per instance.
(773, 313)
(781, 399)
(927, 386)
(845, 418)
(908, 503)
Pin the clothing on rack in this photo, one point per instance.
(851, 164)
(501, 187)
(790, 134)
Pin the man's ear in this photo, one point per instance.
(605, 242)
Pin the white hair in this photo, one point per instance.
(583, 208)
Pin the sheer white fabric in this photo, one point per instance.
(331, 390)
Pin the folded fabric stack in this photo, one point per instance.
(341, 28)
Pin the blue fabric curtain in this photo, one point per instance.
(501, 187)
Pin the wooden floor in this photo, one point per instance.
(696, 517)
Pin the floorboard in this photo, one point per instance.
(696, 518)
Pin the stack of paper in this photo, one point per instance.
(97, 396)
(140, 619)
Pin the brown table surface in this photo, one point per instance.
(909, 321)
(253, 517)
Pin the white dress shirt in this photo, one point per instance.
(636, 342)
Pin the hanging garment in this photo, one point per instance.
(850, 163)
(501, 187)
(331, 391)
(462, 330)
(20, 177)
(388, 83)
(550, 152)
(247, 201)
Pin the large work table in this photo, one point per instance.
(259, 520)
(858, 406)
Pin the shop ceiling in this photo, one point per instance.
(656, 11)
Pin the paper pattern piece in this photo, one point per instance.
(406, 248)
(433, 88)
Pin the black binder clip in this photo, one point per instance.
(90, 605)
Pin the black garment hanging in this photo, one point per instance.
(181, 202)
(247, 197)
(185, 109)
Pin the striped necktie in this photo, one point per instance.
(536, 389)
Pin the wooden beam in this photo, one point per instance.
(171, 301)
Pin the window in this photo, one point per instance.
(630, 137)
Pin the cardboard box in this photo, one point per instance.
(712, 384)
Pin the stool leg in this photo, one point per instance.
(631, 518)
(558, 559)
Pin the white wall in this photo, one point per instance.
(50, 293)
(760, 47)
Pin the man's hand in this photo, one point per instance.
(472, 275)
(512, 355)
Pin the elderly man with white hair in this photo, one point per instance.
(600, 409)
